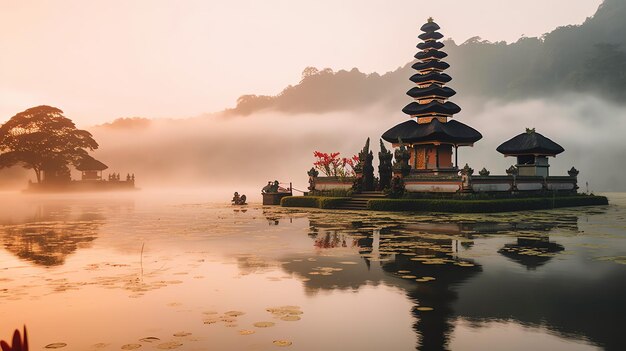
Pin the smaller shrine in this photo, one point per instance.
(90, 168)
(532, 151)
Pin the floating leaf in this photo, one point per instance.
(131, 346)
(56, 345)
(169, 345)
(181, 334)
(234, 313)
(149, 339)
(264, 324)
(282, 342)
(246, 332)
(290, 318)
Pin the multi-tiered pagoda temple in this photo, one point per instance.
(430, 134)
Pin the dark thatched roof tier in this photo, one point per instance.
(447, 108)
(432, 76)
(88, 163)
(430, 45)
(430, 54)
(430, 36)
(435, 131)
(430, 27)
(530, 143)
(433, 90)
(440, 65)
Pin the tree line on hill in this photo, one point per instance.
(588, 58)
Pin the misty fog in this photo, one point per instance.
(227, 154)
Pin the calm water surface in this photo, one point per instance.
(105, 272)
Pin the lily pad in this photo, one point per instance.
(149, 339)
(264, 324)
(169, 345)
(282, 343)
(131, 346)
(56, 345)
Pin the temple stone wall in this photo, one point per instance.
(333, 183)
(432, 187)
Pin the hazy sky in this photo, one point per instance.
(100, 60)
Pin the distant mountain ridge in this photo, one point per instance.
(588, 58)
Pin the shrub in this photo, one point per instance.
(480, 206)
(299, 201)
(312, 201)
(331, 202)
(333, 193)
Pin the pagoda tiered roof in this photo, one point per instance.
(430, 45)
(430, 55)
(441, 78)
(431, 108)
(433, 90)
(453, 132)
(448, 108)
(439, 65)
(430, 36)
(530, 143)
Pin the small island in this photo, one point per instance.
(423, 173)
(42, 139)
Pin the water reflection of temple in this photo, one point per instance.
(531, 252)
(391, 252)
(394, 257)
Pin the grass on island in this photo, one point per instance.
(312, 201)
(452, 205)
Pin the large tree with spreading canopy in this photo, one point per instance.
(42, 139)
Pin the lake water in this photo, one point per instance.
(154, 271)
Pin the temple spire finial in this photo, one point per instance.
(430, 20)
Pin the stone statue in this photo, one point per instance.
(466, 178)
(401, 164)
(266, 189)
(512, 171)
(312, 173)
(367, 157)
(573, 172)
(384, 167)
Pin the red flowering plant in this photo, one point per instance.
(18, 344)
(334, 166)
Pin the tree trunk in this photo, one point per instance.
(38, 174)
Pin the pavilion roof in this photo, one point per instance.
(430, 54)
(88, 163)
(435, 131)
(448, 108)
(432, 90)
(530, 142)
(430, 36)
(430, 26)
(430, 45)
(432, 76)
(430, 64)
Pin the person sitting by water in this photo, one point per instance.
(238, 200)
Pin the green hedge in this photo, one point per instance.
(312, 201)
(481, 206)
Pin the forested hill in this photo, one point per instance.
(588, 58)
